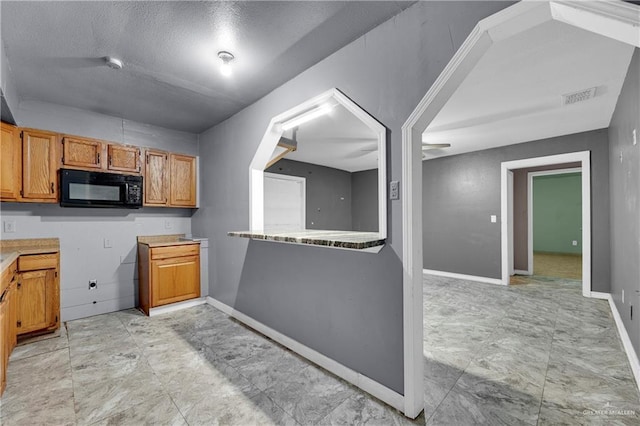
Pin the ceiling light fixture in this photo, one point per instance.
(225, 66)
(113, 63)
(307, 116)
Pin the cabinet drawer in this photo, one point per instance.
(34, 262)
(175, 251)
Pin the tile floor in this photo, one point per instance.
(527, 354)
(533, 353)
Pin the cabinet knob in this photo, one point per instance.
(52, 190)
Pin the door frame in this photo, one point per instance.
(530, 177)
(584, 157)
(298, 179)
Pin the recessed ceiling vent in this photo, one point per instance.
(582, 95)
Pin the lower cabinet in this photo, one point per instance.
(38, 294)
(7, 321)
(168, 274)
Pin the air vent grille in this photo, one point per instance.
(582, 95)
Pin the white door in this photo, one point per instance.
(284, 202)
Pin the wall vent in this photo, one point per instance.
(582, 95)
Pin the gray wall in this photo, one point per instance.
(460, 192)
(82, 231)
(328, 203)
(346, 305)
(520, 212)
(364, 200)
(625, 201)
(7, 87)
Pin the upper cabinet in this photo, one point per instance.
(156, 191)
(123, 158)
(183, 180)
(39, 167)
(83, 153)
(30, 160)
(10, 163)
(170, 179)
(92, 154)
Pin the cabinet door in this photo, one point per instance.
(174, 280)
(4, 355)
(155, 178)
(10, 163)
(39, 166)
(124, 158)
(34, 301)
(183, 180)
(82, 153)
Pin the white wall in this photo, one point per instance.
(82, 231)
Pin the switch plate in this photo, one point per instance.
(574, 243)
(9, 226)
(107, 243)
(394, 190)
(494, 218)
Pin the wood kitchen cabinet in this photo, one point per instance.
(39, 166)
(156, 178)
(168, 274)
(29, 166)
(81, 153)
(122, 158)
(183, 180)
(38, 294)
(7, 320)
(170, 179)
(93, 154)
(10, 163)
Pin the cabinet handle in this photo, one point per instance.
(19, 284)
(98, 158)
(110, 160)
(52, 191)
(19, 324)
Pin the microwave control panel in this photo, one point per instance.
(134, 193)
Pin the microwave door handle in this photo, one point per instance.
(126, 192)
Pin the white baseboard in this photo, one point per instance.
(368, 385)
(176, 306)
(626, 341)
(462, 276)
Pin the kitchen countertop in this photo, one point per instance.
(166, 240)
(338, 239)
(11, 249)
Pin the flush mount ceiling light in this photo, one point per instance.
(225, 66)
(307, 116)
(112, 62)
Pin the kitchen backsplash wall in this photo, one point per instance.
(86, 233)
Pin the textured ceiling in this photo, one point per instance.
(170, 77)
(514, 93)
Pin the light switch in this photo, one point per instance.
(635, 138)
(494, 218)
(394, 190)
(9, 226)
(107, 243)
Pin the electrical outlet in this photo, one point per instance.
(394, 190)
(574, 243)
(93, 284)
(107, 243)
(494, 218)
(9, 226)
(167, 224)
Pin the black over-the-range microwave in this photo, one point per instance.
(79, 188)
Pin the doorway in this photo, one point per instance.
(507, 212)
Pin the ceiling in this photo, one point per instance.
(514, 93)
(339, 140)
(170, 76)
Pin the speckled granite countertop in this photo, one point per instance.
(165, 240)
(11, 249)
(341, 239)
